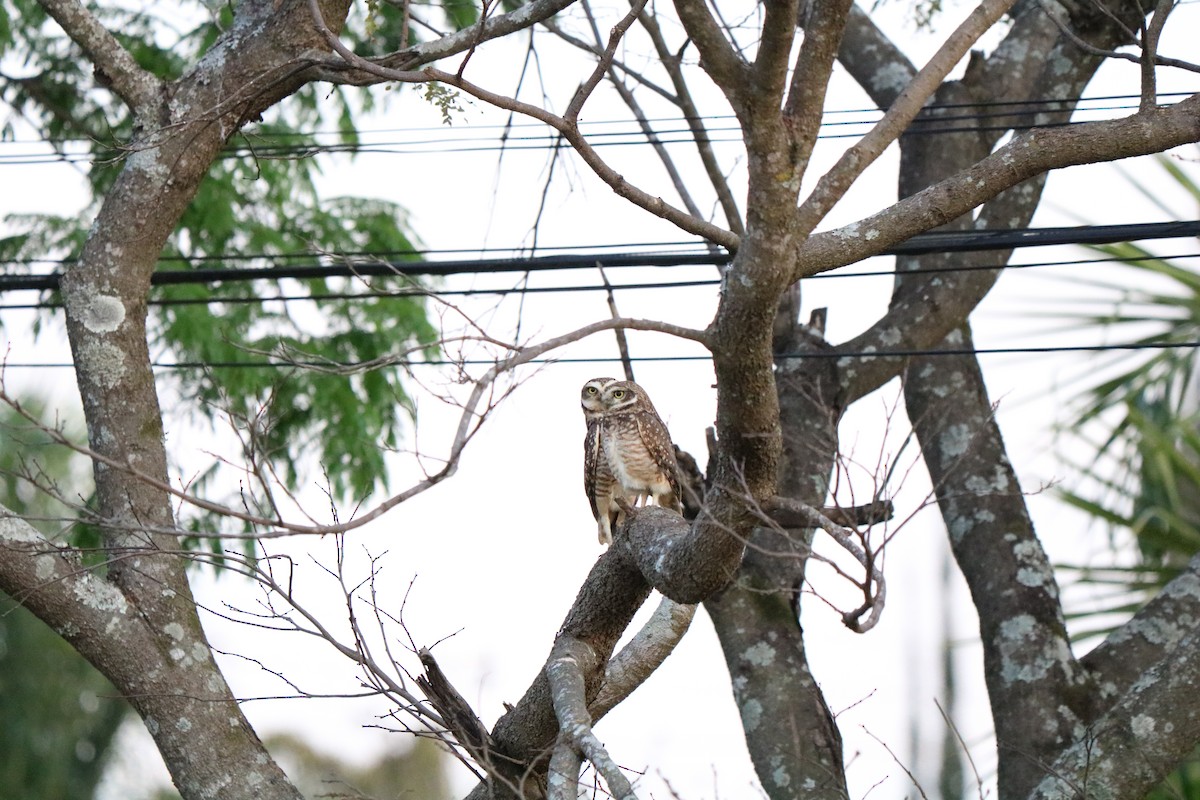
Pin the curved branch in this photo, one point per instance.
(564, 125)
(1027, 155)
(717, 57)
(645, 653)
(811, 517)
(137, 87)
(686, 563)
(655, 205)
(570, 659)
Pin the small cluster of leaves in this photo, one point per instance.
(444, 100)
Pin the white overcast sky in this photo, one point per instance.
(499, 551)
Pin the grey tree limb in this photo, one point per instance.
(570, 659)
(1029, 154)
(137, 87)
(671, 62)
(717, 56)
(834, 183)
(644, 654)
(1117, 663)
(1127, 750)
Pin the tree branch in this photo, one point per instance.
(784, 510)
(138, 88)
(838, 180)
(571, 116)
(570, 660)
(469, 422)
(804, 106)
(645, 653)
(1029, 154)
(1155, 630)
(1146, 735)
(683, 97)
(717, 56)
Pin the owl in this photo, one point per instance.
(627, 452)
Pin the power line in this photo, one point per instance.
(931, 242)
(641, 286)
(688, 245)
(478, 138)
(832, 353)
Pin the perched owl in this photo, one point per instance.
(627, 452)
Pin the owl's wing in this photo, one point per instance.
(658, 444)
(591, 463)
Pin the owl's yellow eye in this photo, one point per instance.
(591, 390)
(619, 393)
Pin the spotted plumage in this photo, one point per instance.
(627, 452)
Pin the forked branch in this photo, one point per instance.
(570, 659)
(835, 183)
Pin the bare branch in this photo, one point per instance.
(564, 125)
(875, 599)
(805, 101)
(660, 150)
(835, 183)
(615, 181)
(570, 658)
(1029, 154)
(571, 116)
(1148, 59)
(717, 56)
(404, 63)
(671, 62)
(473, 415)
(645, 653)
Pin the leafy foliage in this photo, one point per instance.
(1147, 463)
(259, 207)
(1144, 422)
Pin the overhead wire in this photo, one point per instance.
(418, 291)
(478, 139)
(930, 242)
(820, 354)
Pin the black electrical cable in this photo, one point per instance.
(832, 353)
(418, 291)
(931, 242)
